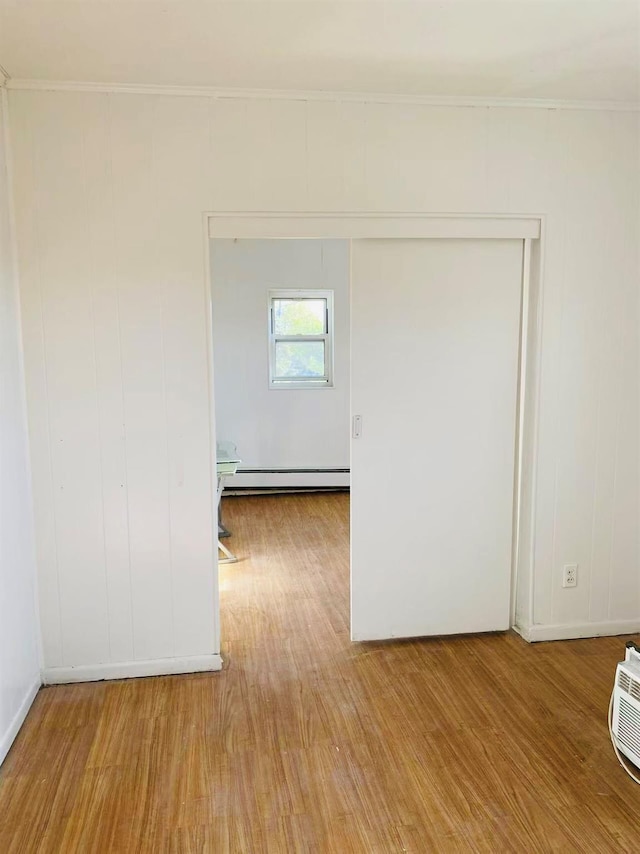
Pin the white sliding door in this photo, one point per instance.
(435, 337)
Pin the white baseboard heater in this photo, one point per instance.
(274, 478)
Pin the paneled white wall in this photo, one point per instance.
(278, 428)
(19, 631)
(110, 192)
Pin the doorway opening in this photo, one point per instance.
(384, 282)
(281, 356)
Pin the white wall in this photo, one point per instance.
(110, 192)
(19, 653)
(275, 428)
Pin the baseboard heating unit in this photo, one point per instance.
(624, 711)
(273, 478)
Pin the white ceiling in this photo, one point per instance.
(552, 49)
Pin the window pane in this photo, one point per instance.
(299, 359)
(299, 316)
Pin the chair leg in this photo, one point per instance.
(229, 557)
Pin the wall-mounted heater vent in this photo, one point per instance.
(625, 706)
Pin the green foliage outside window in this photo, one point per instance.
(299, 317)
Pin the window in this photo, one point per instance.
(300, 339)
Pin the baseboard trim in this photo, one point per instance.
(572, 631)
(131, 669)
(9, 736)
(305, 478)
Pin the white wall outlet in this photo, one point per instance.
(570, 575)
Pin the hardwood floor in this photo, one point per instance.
(308, 743)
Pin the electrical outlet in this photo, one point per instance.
(570, 575)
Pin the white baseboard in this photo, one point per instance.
(571, 631)
(7, 738)
(273, 480)
(131, 669)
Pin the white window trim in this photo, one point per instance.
(311, 383)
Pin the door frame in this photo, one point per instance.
(389, 225)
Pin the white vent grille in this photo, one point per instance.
(624, 680)
(629, 685)
(629, 726)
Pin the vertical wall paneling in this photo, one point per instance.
(19, 630)
(622, 337)
(103, 287)
(142, 328)
(185, 364)
(336, 155)
(110, 191)
(594, 289)
(67, 316)
(23, 130)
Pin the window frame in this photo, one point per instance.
(326, 381)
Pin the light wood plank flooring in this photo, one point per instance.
(309, 743)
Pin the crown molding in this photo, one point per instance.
(314, 95)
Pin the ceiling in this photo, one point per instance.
(584, 50)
